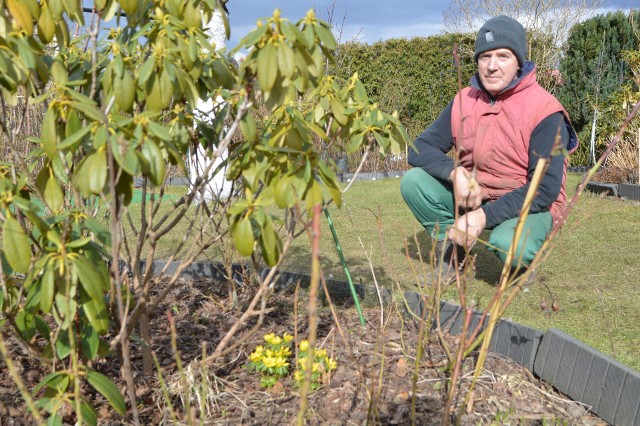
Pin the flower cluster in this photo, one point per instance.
(322, 365)
(272, 359)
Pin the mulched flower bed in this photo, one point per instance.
(373, 383)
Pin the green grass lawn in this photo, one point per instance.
(593, 272)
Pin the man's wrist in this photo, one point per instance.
(453, 172)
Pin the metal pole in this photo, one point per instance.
(344, 266)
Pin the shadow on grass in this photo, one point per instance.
(358, 266)
(298, 260)
(488, 266)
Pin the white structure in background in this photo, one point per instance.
(218, 186)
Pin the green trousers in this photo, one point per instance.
(431, 201)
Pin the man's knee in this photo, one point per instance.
(501, 240)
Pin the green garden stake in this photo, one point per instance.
(344, 266)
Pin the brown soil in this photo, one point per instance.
(615, 175)
(373, 383)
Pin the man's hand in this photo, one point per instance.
(467, 228)
(465, 188)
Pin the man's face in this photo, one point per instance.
(497, 68)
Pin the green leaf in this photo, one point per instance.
(318, 112)
(106, 388)
(308, 37)
(125, 155)
(89, 415)
(73, 123)
(54, 237)
(49, 133)
(63, 347)
(267, 67)
(166, 85)
(73, 140)
(53, 194)
(17, 247)
(330, 179)
(124, 90)
(62, 32)
(270, 244)
(243, 236)
(46, 25)
(248, 128)
(355, 142)
(313, 196)
(47, 289)
(99, 230)
(284, 196)
(155, 162)
(20, 12)
(338, 111)
(45, 381)
(32, 300)
(315, 129)
(97, 314)
(47, 183)
(383, 142)
(286, 60)
(124, 188)
(326, 37)
(146, 70)
(361, 93)
(26, 325)
(96, 171)
(42, 327)
(66, 306)
(110, 10)
(59, 72)
(160, 131)
(90, 342)
(79, 242)
(154, 97)
(59, 384)
(86, 108)
(253, 37)
(90, 278)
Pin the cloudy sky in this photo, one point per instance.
(367, 20)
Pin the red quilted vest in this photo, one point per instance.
(494, 138)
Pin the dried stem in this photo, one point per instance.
(313, 312)
(18, 381)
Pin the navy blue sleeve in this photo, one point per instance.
(431, 147)
(540, 146)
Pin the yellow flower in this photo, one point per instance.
(316, 367)
(321, 353)
(287, 337)
(269, 362)
(281, 362)
(269, 337)
(259, 350)
(276, 340)
(304, 345)
(269, 353)
(255, 357)
(303, 362)
(298, 375)
(284, 351)
(331, 363)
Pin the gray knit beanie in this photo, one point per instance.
(502, 32)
